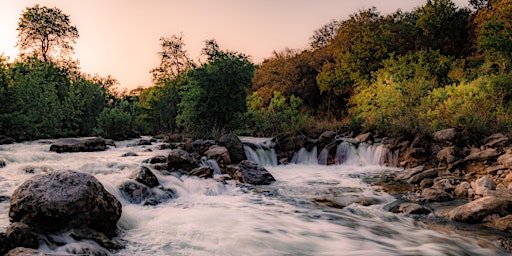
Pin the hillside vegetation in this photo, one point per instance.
(413, 73)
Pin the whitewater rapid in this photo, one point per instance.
(311, 209)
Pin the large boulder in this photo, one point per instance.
(181, 161)
(475, 211)
(78, 145)
(62, 200)
(251, 173)
(219, 154)
(234, 146)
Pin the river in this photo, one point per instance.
(311, 209)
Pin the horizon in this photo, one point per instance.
(121, 39)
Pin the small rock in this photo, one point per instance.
(251, 173)
(482, 185)
(461, 190)
(481, 156)
(202, 172)
(78, 145)
(143, 142)
(496, 140)
(505, 160)
(504, 223)
(413, 208)
(2, 163)
(435, 195)
(446, 135)
(127, 154)
(406, 174)
(417, 178)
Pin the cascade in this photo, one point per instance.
(212, 164)
(260, 150)
(364, 154)
(303, 156)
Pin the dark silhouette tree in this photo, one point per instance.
(43, 31)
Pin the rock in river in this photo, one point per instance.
(78, 145)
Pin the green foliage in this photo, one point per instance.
(32, 109)
(114, 123)
(477, 108)
(44, 30)
(392, 102)
(281, 117)
(215, 93)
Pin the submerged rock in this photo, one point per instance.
(65, 199)
(181, 161)
(78, 145)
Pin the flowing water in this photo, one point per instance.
(311, 209)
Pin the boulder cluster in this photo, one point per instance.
(448, 177)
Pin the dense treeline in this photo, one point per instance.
(415, 72)
(435, 67)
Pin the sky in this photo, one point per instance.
(121, 37)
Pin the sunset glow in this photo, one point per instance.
(121, 38)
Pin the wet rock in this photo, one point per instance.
(325, 138)
(482, 185)
(234, 146)
(89, 234)
(136, 192)
(417, 178)
(4, 244)
(65, 199)
(199, 146)
(413, 208)
(475, 211)
(145, 176)
(6, 140)
(110, 142)
(219, 154)
(4, 198)
(127, 154)
(21, 235)
(202, 172)
(143, 142)
(435, 195)
(251, 173)
(78, 145)
(443, 184)
(181, 161)
(2, 163)
(446, 135)
(483, 155)
(156, 159)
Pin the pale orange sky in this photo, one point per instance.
(121, 37)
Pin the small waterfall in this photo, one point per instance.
(306, 157)
(323, 156)
(260, 150)
(212, 164)
(364, 154)
(344, 152)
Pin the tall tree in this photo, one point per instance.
(324, 35)
(44, 31)
(174, 59)
(216, 92)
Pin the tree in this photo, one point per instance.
(174, 59)
(324, 35)
(216, 92)
(45, 31)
